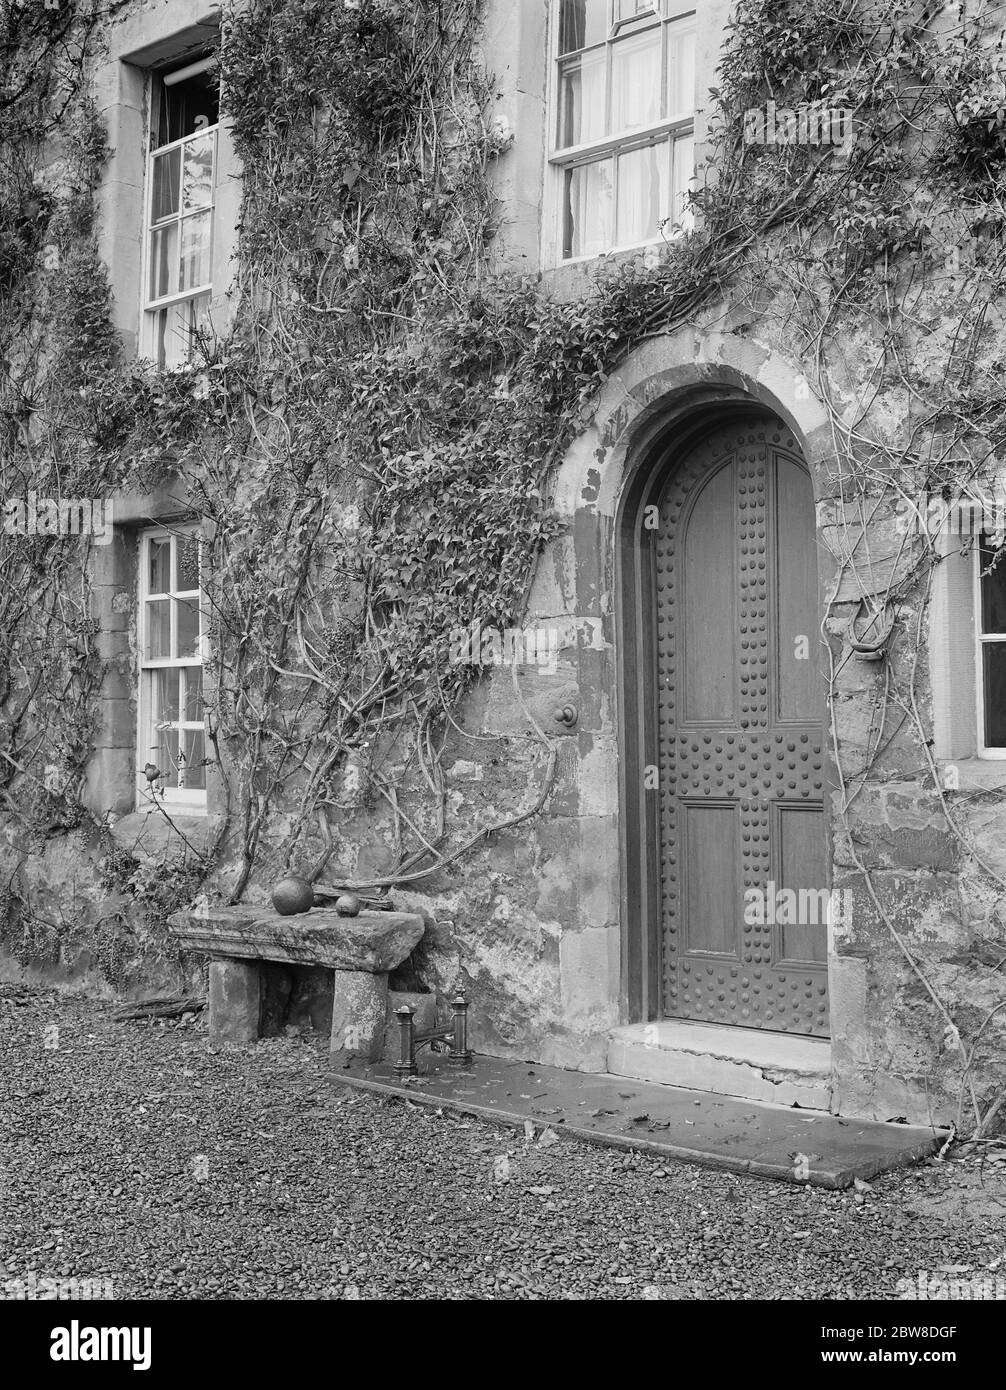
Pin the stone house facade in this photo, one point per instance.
(708, 552)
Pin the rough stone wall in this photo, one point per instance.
(530, 922)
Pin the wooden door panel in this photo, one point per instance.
(739, 709)
(798, 682)
(709, 850)
(709, 602)
(801, 884)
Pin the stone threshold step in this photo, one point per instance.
(769, 1141)
(780, 1068)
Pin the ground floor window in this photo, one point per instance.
(171, 636)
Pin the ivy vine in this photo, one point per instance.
(372, 442)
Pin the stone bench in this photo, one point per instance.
(360, 951)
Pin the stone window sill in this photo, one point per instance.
(974, 772)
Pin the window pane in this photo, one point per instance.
(188, 628)
(190, 774)
(680, 70)
(197, 178)
(641, 176)
(187, 560)
(163, 698)
(192, 694)
(683, 176)
(635, 81)
(159, 629)
(587, 210)
(628, 9)
(158, 336)
(164, 261)
(165, 171)
(994, 654)
(581, 100)
(993, 589)
(185, 107)
(173, 328)
(581, 23)
(195, 251)
(159, 575)
(163, 753)
(198, 312)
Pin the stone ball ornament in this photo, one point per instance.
(292, 895)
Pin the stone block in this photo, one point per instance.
(924, 908)
(118, 724)
(373, 942)
(111, 782)
(597, 779)
(543, 692)
(553, 589)
(235, 1001)
(120, 684)
(111, 645)
(588, 969)
(598, 872)
(148, 834)
(359, 1016)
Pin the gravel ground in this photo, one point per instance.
(135, 1153)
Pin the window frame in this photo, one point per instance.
(560, 160)
(983, 639)
(187, 800)
(150, 308)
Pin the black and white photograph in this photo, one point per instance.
(502, 678)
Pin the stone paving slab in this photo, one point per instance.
(770, 1141)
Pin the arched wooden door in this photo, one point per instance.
(739, 714)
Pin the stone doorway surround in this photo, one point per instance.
(673, 382)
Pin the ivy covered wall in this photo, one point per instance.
(373, 447)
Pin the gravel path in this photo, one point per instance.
(133, 1152)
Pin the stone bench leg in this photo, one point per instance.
(359, 1011)
(235, 1001)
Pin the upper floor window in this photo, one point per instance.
(171, 638)
(181, 177)
(623, 122)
